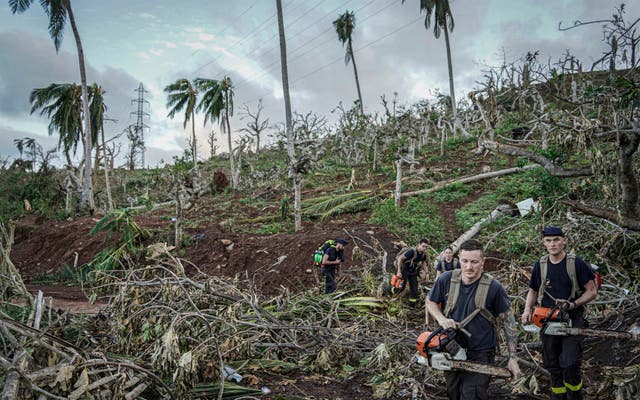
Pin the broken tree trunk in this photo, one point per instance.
(467, 179)
(500, 211)
(10, 279)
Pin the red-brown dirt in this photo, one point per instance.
(270, 261)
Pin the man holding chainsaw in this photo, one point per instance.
(562, 283)
(472, 302)
(409, 264)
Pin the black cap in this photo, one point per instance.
(342, 242)
(552, 231)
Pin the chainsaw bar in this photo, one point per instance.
(444, 363)
(481, 368)
(562, 329)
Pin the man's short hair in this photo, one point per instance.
(449, 248)
(424, 240)
(341, 241)
(552, 231)
(471, 245)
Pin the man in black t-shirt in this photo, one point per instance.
(562, 355)
(333, 256)
(481, 345)
(447, 262)
(409, 266)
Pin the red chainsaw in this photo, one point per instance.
(440, 350)
(556, 322)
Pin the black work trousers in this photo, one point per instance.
(462, 385)
(410, 275)
(562, 357)
(329, 272)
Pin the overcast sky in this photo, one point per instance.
(128, 42)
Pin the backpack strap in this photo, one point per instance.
(543, 278)
(480, 300)
(454, 292)
(456, 263)
(571, 271)
(409, 260)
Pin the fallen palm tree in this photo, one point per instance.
(333, 204)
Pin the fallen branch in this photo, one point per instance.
(468, 179)
(549, 165)
(610, 215)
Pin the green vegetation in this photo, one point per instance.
(129, 242)
(417, 218)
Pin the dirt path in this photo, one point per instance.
(70, 298)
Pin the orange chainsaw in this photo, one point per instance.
(440, 350)
(555, 322)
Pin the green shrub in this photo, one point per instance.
(417, 218)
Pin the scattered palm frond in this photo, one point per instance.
(333, 204)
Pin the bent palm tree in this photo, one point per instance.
(182, 95)
(345, 24)
(62, 104)
(58, 11)
(217, 104)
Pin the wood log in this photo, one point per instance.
(468, 179)
(500, 211)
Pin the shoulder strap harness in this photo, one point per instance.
(480, 299)
(571, 271)
(409, 260)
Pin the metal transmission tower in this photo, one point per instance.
(135, 132)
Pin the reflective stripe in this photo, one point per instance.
(559, 390)
(413, 300)
(573, 388)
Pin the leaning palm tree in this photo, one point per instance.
(182, 95)
(217, 104)
(58, 11)
(442, 21)
(19, 145)
(345, 24)
(62, 104)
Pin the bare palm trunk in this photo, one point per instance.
(86, 195)
(227, 127)
(452, 91)
(397, 197)
(194, 146)
(355, 72)
(293, 174)
(106, 172)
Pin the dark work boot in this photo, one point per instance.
(558, 396)
(577, 395)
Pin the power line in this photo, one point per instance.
(294, 34)
(355, 51)
(268, 68)
(231, 23)
(237, 43)
(293, 59)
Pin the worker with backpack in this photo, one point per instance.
(332, 256)
(446, 262)
(474, 301)
(409, 262)
(561, 280)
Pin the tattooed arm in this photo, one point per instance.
(510, 330)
